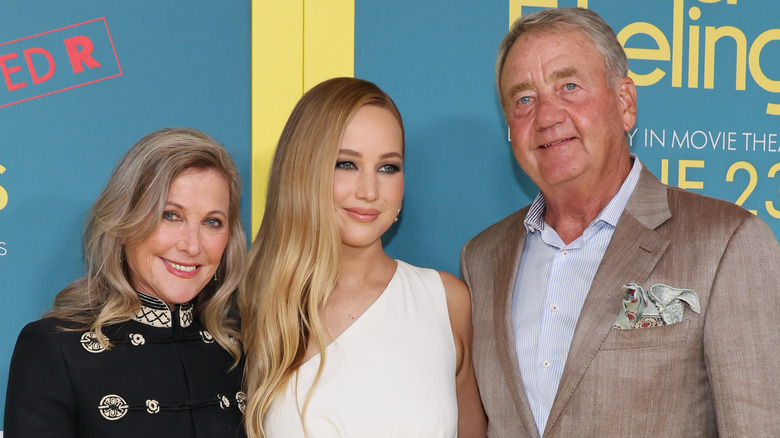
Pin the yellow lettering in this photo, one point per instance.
(754, 61)
(711, 36)
(677, 43)
(770, 207)
(3, 193)
(516, 6)
(693, 49)
(665, 171)
(661, 53)
(752, 182)
(682, 181)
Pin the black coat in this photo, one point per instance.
(164, 376)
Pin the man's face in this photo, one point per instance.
(566, 123)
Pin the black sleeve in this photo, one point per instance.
(40, 402)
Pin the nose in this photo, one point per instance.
(548, 112)
(189, 240)
(366, 186)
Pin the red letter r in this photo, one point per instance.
(76, 56)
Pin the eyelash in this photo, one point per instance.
(212, 221)
(345, 165)
(390, 168)
(386, 168)
(170, 215)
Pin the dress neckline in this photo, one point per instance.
(366, 315)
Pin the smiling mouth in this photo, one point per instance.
(363, 215)
(179, 267)
(554, 143)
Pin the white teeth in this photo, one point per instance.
(181, 267)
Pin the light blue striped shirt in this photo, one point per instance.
(552, 282)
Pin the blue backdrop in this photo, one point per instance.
(710, 69)
(436, 59)
(183, 63)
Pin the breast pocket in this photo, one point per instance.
(646, 338)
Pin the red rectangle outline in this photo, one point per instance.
(72, 86)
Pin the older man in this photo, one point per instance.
(613, 305)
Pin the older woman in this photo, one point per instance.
(146, 343)
(342, 340)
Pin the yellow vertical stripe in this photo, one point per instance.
(295, 45)
(328, 40)
(277, 75)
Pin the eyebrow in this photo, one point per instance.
(353, 153)
(181, 207)
(562, 73)
(565, 72)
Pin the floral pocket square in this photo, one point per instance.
(659, 305)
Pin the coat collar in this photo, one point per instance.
(156, 313)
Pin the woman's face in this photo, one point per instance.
(368, 183)
(181, 256)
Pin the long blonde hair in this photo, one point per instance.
(294, 260)
(129, 210)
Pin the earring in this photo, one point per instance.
(215, 275)
(397, 214)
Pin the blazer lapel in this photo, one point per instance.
(633, 252)
(506, 259)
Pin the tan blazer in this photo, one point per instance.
(717, 372)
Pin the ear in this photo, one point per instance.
(627, 95)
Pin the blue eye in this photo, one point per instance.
(169, 216)
(345, 165)
(213, 222)
(570, 86)
(524, 100)
(390, 168)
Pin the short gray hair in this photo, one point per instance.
(582, 20)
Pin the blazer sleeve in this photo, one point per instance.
(464, 269)
(39, 402)
(741, 341)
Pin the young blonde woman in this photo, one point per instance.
(341, 340)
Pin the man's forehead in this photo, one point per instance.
(561, 64)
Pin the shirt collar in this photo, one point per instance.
(534, 220)
(155, 312)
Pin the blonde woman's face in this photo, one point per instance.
(368, 183)
(179, 258)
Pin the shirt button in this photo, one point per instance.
(531, 229)
(554, 307)
(546, 364)
(564, 253)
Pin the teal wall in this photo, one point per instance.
(183, 63)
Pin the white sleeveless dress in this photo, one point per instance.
(389, 374)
